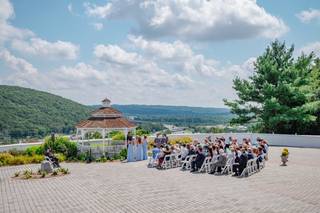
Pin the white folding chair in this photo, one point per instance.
(166, 164)
(186, 165)
(179, 159)
(227, 169)
(205, 167)
(246, 170)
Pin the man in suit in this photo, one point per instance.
(238, 168)
(197, 163)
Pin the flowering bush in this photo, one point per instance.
(180, 140)
(9, 159)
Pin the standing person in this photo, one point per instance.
(130, 157)
(157, 140)
(139, 149)
(129, 139)
(145, 148)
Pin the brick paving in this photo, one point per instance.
(132, 187)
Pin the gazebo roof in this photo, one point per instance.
(106, 112)
(106, 123)
(106, 117)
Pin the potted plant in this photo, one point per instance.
(284, 156)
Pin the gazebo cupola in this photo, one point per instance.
(106, 102)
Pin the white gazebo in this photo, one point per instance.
(105, 120)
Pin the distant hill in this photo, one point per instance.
(162, 110)
(177, 115)
(28, 112)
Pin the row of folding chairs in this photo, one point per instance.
(186, 164)
(172, 161)
(252, 167)
(208, 164)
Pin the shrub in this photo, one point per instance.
(142, 132)
(93, 135)
(27, 173)
(8, 159)
(35, 159)
(15, 152)
(5, 157)
(81, 157)
(119, 136)
(60, 157)
(103, 159)
(64, 171)
(18, 160)
(123, 153)
(34, 150)
(62, 145)
(55, 173)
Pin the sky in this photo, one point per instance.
(183, 52)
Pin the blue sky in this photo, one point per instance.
(146, 52)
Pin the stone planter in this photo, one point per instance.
(284, 160)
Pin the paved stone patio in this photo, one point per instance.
(132, 187)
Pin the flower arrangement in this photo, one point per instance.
(284, 156)
(285, 152)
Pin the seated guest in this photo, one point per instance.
(227, 149)
(219, 163)
(191, 150)
(250, 154)
(266, 147)
(166, 151)
(243, 159)
(184, 151)
(155, 152)
(260, 156)
(197, 163)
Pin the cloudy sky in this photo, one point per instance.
(183, 52)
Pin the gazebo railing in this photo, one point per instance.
(99, 148)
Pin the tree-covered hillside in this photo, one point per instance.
(27, 112)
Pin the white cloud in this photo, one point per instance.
(99, 11)
(17, 64)
(7, 31)
(178, 53)
(40, 47)
(306, 16)
(311, 47)
(70, 8)
(97, 26)
(189, 19)
(243, 70)
(115, 54)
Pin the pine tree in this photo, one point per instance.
(282, 96)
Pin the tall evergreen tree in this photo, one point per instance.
(282, 96)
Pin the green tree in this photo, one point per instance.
(281, 96)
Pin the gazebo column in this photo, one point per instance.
(82, 132)
(103, 140)
(125, 135)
